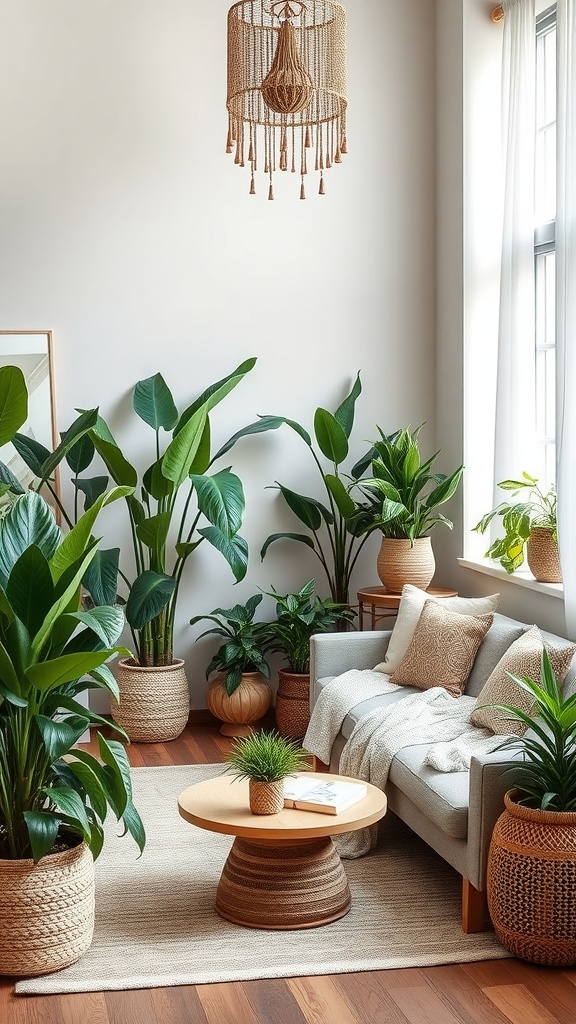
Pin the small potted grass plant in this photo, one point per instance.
(265, 759)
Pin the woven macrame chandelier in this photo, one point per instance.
(286, 94)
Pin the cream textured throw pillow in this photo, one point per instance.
(442, 650)
(523, 658)
(409, 610)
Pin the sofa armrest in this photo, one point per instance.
(489, 781)
(334, 653)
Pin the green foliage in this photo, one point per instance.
(245, 642)
(518, 517)
(332, 532)
(298, 617)
(546, 777)
(403, 492)
(264, 757)
(51, 651)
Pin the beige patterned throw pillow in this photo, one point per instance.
(523, 658)
(442, 650)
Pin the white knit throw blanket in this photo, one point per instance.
(338, 697)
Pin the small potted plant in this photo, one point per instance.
(265, 759)
(298, 617)
(240, 694)
(532, 858)
(404, 494)
(529, 527)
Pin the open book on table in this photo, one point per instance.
(328, 797)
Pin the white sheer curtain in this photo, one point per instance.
(515, 432)
(566, 302)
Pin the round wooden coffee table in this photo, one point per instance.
(283, 870)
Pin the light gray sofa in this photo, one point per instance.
(454, 813)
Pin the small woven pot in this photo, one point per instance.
(46, 911)
(266, 797)
(542, 555)
(247, 705)
(532, 881)
(154, 702)
(293, 704)
(400, 562)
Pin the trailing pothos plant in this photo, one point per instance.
(536, 507)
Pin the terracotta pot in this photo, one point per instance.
(46, 911)
(154, 701)
(531, 883)
(266, 797)
(247, 705)
(542, 555)
(292, 704)
(400, 562)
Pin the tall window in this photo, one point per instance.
(544, 244)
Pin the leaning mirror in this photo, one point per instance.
(32, 352)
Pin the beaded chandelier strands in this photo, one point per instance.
(286, 94)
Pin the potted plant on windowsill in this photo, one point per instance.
(265, 759)
(532, 857)
(298, 617)
(239, 695)
(530, 528)
(404, 495)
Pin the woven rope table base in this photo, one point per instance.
(283, 886)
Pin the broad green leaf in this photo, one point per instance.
(345, 412)
(31, 452)
(13, 401)
(330, 436)
(81, 453)
(150, 593)
(61, 604)
(185, 548)
(42, 828)
(215, 393)
(301, 537)
(121, 471)
(58, 736)
(106, 621)
(90, 782)
(9, 481)
(9, 682)
(29, 521)
(234, 549)
(134, 825)
(155, 483)
(221, 500)
(154, 404)
(105, 680)
(154, 531)
(71, 803)
(261, 425)
(46, 675)
(30, 589)
(81, 426)
(344, 502)
(201, 461)
(179, 455)
(115, 757)
(91, 488)
(444, 490)
(306, 509)
(76, 542)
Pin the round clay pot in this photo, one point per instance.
(292, 703)
(542, 555)
(154, 701)
(266, 797)
(531, 883)
(247, 705)
(46, 911)
(400, 562)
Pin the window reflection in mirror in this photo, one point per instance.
(32, 352)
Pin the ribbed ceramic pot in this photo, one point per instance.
(154, 701)
(292, 703)
(531, 883)
(266, 797)
(542, 555)
(400, 562)
(246, 706)
(46, 911)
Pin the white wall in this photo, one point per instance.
(127, 230)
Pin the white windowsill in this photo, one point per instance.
(520, 578)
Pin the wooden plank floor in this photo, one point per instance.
(489, 992)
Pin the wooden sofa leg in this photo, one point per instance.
(474, 908)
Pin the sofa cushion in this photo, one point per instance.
(442, 650)
(523, 658)
(409, 610)
(441, 796)
(502, 633)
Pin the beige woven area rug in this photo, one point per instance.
(156, 926)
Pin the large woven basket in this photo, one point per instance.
(400, 562)
(292, 704)
(266, 797)
(46, 911)
(532, 883)
(542, 555)
(154, 702)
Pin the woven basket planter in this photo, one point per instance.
(400, 562)
(154, 702)
(266, 797)
(46, 911)
(292, 704)
(247, 705)
(542, 555)
(532, 881)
